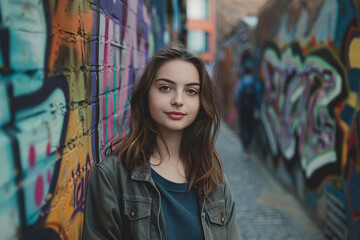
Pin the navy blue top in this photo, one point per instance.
(180, 209)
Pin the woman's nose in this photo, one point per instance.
(178, 99)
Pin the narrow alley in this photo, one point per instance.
(68, 69)
(265, 210)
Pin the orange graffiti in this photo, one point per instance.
(71, 24)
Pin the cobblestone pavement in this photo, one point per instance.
(265, 210)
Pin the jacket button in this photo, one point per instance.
(132, 213)
(222, 219)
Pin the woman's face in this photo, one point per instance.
(174, 100)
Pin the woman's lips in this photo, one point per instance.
(175, 115)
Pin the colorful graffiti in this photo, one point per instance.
(67, 69)
(310, 111)
(34, 125)
(122, 55)
(299, 91)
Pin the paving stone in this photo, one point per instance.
(264, 209)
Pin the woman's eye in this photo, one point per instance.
(192, 92)
(164, 88)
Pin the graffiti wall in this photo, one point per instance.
(310, 61)
(66, 71)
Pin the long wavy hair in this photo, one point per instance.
(203, 166)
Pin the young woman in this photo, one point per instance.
(164, 180)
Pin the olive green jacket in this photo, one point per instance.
(126, 205)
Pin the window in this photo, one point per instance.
(198, 41)
(197, 9)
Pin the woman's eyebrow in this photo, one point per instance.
(174, 83)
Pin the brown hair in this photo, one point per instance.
(203, 166)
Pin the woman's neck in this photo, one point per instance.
(171, 151)
(167, 163)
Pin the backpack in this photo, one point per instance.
(248, 100)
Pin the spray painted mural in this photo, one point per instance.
(66, 71)
(310, 112)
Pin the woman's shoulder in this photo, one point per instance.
(111, 170)
(109, 160)
(112, 164)
(221, 192)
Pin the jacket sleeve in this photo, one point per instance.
(102, 214)
(232, 229)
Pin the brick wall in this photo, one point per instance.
(66, 71)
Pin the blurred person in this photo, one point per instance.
(165, 179)
(247, 103)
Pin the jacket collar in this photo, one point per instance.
(142, 173)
